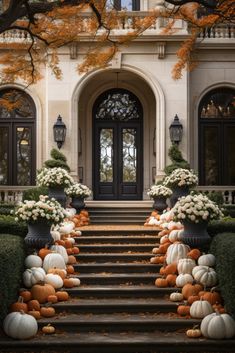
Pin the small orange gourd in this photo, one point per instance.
(161, 282)
(47, 311)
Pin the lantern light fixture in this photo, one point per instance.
(59, 129)
(176, 130)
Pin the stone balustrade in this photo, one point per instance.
(217, 32)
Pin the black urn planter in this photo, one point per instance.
(178, 192)
(195, 235)
(77, 203)
(39, 235)
(159, 203)
(58, 194)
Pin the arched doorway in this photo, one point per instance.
(17, 138)
(217, 137)
(117, 146)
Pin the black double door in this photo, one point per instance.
(117, 160)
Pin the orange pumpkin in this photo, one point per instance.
(19, 305)
(25, 294)
(69, 251)
(171, 279)
(183, 310)
(70, 269)
(72, 259)
(62, 295)
(171, 268)
(52, 298)
(191, 289)
(67, 244)
(212, 297)
(44, 252)
(75, 250)
(194, 254)
(34, 305)
(192, 298)
(35, 313)
(47, 311)
(161, 282)
(219, 307)
(68, 283)
(57, 271)
(41, 291)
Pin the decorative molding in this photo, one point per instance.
(73, 50)
(117, 61)
(161, 50)
(79, 141)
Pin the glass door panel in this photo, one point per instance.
(229, 155)
(129, 155)
(23, 155)
(4, 157)
(211, 155)
(106, 155)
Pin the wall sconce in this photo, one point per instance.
(59, 129)
(176, 130)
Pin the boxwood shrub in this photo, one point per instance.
(6, 208)
(223, 247)
(8, 225)
(12, 255)
(223, 226)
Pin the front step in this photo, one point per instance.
(95, 231)
(120, 278)
(114, 257)
(117, 239)
(113, 248)
(116, 267)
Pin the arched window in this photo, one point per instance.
(17, 138)
(217, 137)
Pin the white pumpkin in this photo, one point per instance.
(175, 235)
(76, 281)
(176, 297)
(200, 308)
(54, 280)
(207, 260)
(183, 279)
(185, 266)
(70, 212)
(53, 260)
(33, 261)
(205, 275)
(218, 326)
(66, 227)
(164, 238)
(153, 221)
(175, 252)
(71, 240)
(33, 275)
(172, 225)
(55, 235)
(60, 250)
(20, 325)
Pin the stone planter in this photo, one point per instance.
(77, 203)
(177, 193)
(159, 203)
(195, 235)
(58, 194)
(39, 235)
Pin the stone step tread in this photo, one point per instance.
(113, 257)
(118, 267)
(118, 239)
(124, 302)
(107, 230)
(138, 247)
(117, 275)
(130, 342)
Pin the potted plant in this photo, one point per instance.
(159, 193)
(180, 181)
(40, 216)
(194, 211)
(56, 179)
(78, 192)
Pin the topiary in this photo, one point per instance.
(177, 160)
(34, 193)
(58, 160)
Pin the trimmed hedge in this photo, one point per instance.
(34, 193)
(223, 247)
(8, 225)
(12, 255)
(224, 226)
(6, 208)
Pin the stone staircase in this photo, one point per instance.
(117, 308)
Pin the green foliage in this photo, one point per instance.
(8, 225)
(34, 193)
(177, 160)
(215, 196)
(58, 160)
(6, 208)
(223, 247)
(225, 225)
(12, 255)
(229, 210)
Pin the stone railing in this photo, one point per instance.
(14, 193)
(14, 36)
(220, 31)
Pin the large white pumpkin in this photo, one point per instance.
(200, 308)
(54, 280)
(185, 266)
(205, 275)
(55, 235)
(20, 325)
(53, 260)
(175, 235)
(183, 279)
(207, 260)
(175, 252)
(218, 326)
(60, 250)
(33, 261)
(66, 227)
(33, 275)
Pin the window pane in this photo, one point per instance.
(218, 104)
(15, 104)
(106, 155)
(127, 5)
(129, 155)
(230, 155)
(211, 155)
(3, 155)
(23, 153)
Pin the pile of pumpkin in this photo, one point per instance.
(153, 219)
(195, 278)
(81, 219)
(48, 273)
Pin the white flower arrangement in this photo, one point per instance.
(196, 208)
(159, 190)
(47, 210)
(50, 177)
(181, 177)
(78, 189)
